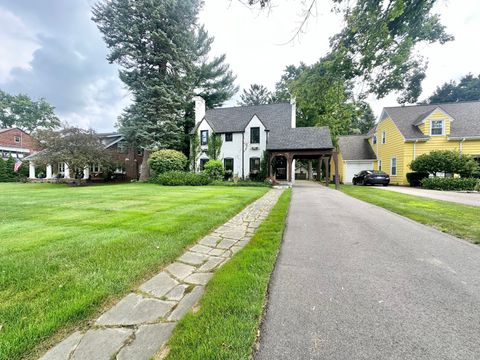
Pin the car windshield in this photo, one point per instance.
(376, 172)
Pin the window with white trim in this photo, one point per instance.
(374, 140)
(61, 167)
(384, 137)
(17, 138)
(393, 166)
(379, 165)
(204, 137)
(436, 127)
(95, 168)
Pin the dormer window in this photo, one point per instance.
(204, 137)
(436, 127)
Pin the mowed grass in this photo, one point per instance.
(66, 252)
(226, 324)
(459, 220)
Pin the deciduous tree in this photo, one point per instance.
(467, 89)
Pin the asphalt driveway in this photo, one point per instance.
(354, 281)
(472, 199)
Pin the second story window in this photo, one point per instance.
(374, 140)
(384, 137)
(228, 137)
(17, 138)
(204, 137)
(255, 135)
(436, 127)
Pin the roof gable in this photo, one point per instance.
(355, 147)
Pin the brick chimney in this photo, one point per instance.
(199, 109)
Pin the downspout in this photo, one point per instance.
(243, 155)
(415, 149)
(461, 145)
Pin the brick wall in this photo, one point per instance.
(8, 137)
(130, 159)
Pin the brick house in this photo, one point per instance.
(16, 143)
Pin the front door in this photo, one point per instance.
(280, 168)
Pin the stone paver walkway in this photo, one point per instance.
(140, 324)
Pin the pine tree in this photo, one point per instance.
(10, 165)
(3, 171)
(256, 95)
(152, 41)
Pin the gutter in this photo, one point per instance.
(463, 138)
(243, 155)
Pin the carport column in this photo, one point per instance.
(310, 172)
(270, 165)
(335, 164)
(327, 172)
(49, 171)
(86, 172)
(31, 170)
(289, 167)
(319, 169)
(67, 172)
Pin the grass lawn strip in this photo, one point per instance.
(66, 253)
(229, 314)
(456, 219)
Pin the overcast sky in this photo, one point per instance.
(52, 49)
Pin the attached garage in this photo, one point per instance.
(353, 167)
(355, 155)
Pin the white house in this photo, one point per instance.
(250, 132)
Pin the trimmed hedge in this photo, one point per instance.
(180, 178)
(162, 161)
(415, 178)
(214, 169)
(457, 184)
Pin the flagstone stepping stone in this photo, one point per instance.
(210, 240)
(186, 303)
(134, 309)
(198, 278)
(101, 344)
(216, 252)
(159, 285)
(64, 349)
(176, 293)
(211, 264)
(179, 270)
(201, 249)
(193, 258)
(148, 340)
(225, 244)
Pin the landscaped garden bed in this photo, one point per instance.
(65, 253)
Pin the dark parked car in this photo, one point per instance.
(371, 177)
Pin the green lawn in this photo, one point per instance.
(459, 220)
(66, 252)
(226, 324)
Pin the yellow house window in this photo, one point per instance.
(374, 140)
(384, 137)
(393, 166)
(379, 165)
(436, 127)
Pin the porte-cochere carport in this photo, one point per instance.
(305, 143)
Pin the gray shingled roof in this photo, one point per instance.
(466, 118)
(303, 138)
(235, 119)
(355, 147)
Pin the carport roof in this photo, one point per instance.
(302, 138)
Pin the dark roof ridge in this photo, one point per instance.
(247, 106)
(432, 104)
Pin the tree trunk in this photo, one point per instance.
(144, 168)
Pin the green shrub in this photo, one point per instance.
(241, 183)
(477, 186)
(450, 183)
(214, 169)
(180, 178)
(415, 178)
(162, 161)
(445, 161)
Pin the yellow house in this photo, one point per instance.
(405, 132)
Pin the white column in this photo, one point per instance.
(49, 171)
(67, 172)
(293, 171)
(86, 172)
(31, 170)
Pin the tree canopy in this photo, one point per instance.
(26, 114)
(256, 95)
(467, 89)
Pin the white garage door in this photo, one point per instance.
(352, 168)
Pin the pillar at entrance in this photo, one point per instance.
(31, 170)
(49, 172)
(86, 172)
(67, 172)
(310, 172)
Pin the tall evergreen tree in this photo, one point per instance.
(468, 89)
(212, 79)
(152, 41)
(256, 95)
